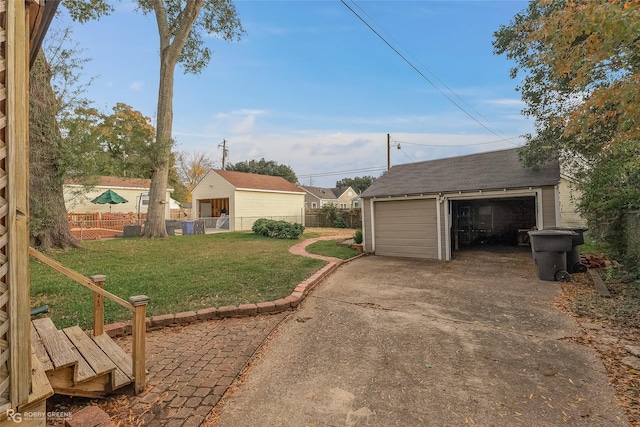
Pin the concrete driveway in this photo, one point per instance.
(398, 342)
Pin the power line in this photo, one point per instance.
(321, 174)
(421, 64)
(420, 72)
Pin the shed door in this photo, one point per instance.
(406, 228)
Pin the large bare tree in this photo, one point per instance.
(181, 26)
(192, 167)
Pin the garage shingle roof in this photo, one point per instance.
(254, 181)
(494, 170)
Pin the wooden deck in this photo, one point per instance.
(79, 364)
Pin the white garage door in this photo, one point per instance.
(406, 228)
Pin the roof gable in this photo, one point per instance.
(483, 171)
(252, 181)
(321, 193)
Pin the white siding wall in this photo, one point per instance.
(78, 200)
(212, 186)
(251, 205)
(569, 197)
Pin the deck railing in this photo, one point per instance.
(137, 305)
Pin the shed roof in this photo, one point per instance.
(484, 171)
(258, 182)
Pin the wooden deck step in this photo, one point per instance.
(40, 351)
(78, 364)
(59, 351)
(82, 370)
(124, 372)
(99, 362)
(40, 386)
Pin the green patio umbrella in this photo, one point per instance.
(109, 197)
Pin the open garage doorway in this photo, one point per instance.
(492, 222)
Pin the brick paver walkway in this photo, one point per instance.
(191, 367)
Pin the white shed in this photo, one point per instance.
(246, 197)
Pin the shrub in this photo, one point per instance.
(339, 223)
(277, 229)
(357, 237)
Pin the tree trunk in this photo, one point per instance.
(49, 224)
(155, 224)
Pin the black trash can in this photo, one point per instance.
(198, 226)
(132, 231)
(573, 256)
(549, 248)
(172, 225)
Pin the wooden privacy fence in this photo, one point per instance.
(137, 305)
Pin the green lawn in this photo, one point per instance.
(331, 248)
(177, 273)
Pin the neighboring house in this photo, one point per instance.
(246, 197)
(317, 197)
(77, 197)
(431, 209)
(569, 198)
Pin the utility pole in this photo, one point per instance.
(223, 144)
(388, 151)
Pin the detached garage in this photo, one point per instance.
(433, 209)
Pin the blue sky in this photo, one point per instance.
(310, 86)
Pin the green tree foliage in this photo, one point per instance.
(264, 167)
(581, 66)
(126, 138)
(359, 183)
(116, 144)
(333, 216)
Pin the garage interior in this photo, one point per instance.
(492, 222)
(209, 208)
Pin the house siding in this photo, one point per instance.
(406, 228)
(548, 207)
(443, 230)
(212, 186)
(366, 226)
(78, 200)
(569, 197)
(346, 197)
(279, 206)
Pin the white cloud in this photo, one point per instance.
(136, 86)
(505, 102)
